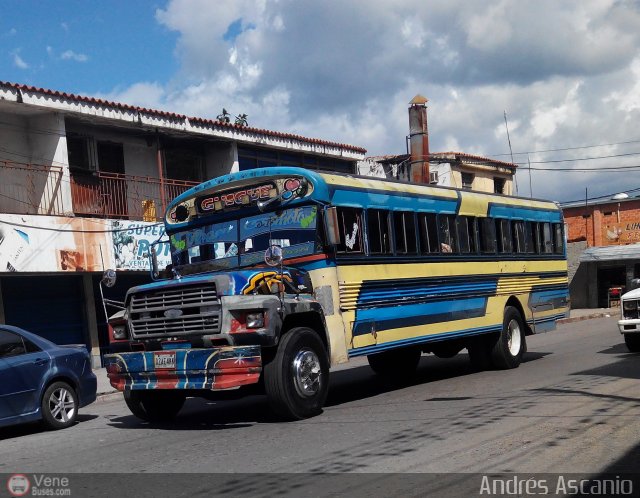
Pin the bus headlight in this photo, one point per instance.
(119, 331)
(255, 320)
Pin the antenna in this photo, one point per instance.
(506, 125)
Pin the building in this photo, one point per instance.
(83, 184)
(603, 249)
(448, 169)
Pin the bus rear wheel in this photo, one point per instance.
(508, 350)
(296, 379)
(395, 364)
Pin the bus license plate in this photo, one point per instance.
(165, 361)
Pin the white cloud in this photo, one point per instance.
(71, 55)
(566, 72)
(19, 62)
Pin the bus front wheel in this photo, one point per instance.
(508, 350)
(154, 406)
(296, 379)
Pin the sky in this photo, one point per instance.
(567, 74)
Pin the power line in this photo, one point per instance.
(568, 148)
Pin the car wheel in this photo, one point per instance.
(59, 406)
(154, 406)
(633, 342)
(397, 365)
(508, 350)
(296, 379)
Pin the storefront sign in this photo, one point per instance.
(621, 233)
(58, 243)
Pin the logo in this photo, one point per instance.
(173, 313)
(18, 485)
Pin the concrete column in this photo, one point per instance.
(92, 320)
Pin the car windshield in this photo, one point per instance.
(242, 242)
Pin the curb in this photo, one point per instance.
(102, 397)
(585, 317)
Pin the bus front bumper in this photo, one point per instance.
(218, 368)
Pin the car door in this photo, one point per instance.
(22, 368)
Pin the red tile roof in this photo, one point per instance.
(172, 115)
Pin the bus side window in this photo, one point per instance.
(537, 239)
(378, 231)
(529, 246)
(558, 239)
(428, 233)
(503, 235)
(546, 237)
(519, 244)
(466, 234)
(405, 232)
(447, 231)
(487, 235)
(350, 227)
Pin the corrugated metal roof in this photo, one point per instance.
(174, 116)
(610, 253)
(452, 156)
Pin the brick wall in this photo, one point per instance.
(586, 223)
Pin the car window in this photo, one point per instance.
(10, 344)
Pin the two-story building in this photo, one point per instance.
(83, 186)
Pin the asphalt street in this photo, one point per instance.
(572, 406)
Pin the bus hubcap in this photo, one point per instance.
(307, 374)
(515, 338)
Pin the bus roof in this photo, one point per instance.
(377, 193)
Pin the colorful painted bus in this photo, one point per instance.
(279, 273)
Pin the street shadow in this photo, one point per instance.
(346, 386)
(617, 349)
(15, 431)
(627, 367)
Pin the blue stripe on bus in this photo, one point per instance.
(377, 348)
(519, 212)
(373, 200)
(374, 291)
(538, 298)
(410, 315)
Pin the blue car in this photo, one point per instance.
(40, 380)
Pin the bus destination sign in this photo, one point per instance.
(234, 198)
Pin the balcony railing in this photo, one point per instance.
(116, 195)
(31, 189)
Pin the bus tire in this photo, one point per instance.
(396, 364)
(633, 342)
(296, 379)
(479, 349)
(154, 406)
(511, 344)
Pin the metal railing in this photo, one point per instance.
(117, 195)
(31, 189)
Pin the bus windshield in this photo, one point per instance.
(243, 241)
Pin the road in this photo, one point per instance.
(572, 406)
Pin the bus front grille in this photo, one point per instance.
(174, 312)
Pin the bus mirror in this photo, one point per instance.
(109, 278)
(273, 255)
(331, 226)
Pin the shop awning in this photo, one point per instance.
(610, 253)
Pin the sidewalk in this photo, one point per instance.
(106, 391)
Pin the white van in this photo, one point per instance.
(629, 323)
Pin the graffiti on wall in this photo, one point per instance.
(621, 233)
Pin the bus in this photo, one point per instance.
(279, 273)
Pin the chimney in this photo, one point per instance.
(419, 140)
